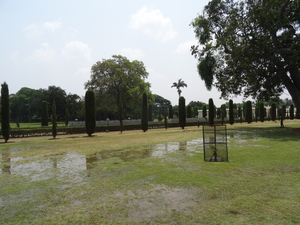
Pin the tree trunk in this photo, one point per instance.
(293, 87)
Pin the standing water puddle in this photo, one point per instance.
(70, 165)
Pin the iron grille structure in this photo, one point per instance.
(215, 143)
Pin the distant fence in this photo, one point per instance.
(117, 122)
(104, 123)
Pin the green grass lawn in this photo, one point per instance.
(157, 177)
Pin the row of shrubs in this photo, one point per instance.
(47, 131)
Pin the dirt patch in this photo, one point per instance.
(160, 200)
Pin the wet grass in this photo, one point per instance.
(157, 177)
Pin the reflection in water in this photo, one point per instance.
(70, 165)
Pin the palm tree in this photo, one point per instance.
(179, 85)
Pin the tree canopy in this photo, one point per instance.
(119, 82)
(250, 47)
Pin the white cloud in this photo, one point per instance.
(153, 23)
(33, 30)
(186, 46)
(14, 55)
(133, 53)
(39, 29)
(52, 26)
(44, 54)
(76, 50)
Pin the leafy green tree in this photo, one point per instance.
(54, 120)
(231, 117)
(292, 112)
(249, 112)
(119, 82)
(211, 108)
(250, 47)
(144, 120)
(45, 117)
(182, 114)
(90, 112)
(178, 85)
(5, 117)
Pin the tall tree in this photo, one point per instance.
(292, 113)
(120, 82)
(231, 118)
(54, 120)
(45, 117)
(90, 112)
(249, 112)
(250, 47)
(5, 127)
(262, 112)
(182, 115)
(211, 111)
(144, 120)
(178, 85)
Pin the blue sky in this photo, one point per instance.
(56, 42)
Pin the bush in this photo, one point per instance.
(211, 112)
(182, 115)
(249, 112)
(231, 119)
(45, 117)
(144, 120)
(90, 112)
(5, 127)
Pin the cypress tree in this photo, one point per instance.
(297, 113)
(262, 112)
(231, 119)
(90, 112)
(144, 120)
(249, 112)
(182, 115)
(54, 120)
(273, 111)
(170, 112)
(292, 115)
(5, 127)
(45, 117)
(211, 109)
